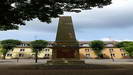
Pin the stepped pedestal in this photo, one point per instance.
(65, 61)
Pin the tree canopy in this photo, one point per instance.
(123, 44)
(8, 45)
(15, 12)
(126, 45)
(37, 46)
(97, 46)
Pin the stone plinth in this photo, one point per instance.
(65, 61)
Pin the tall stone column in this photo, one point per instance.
(66, 45)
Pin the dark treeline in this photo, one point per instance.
(15, 12)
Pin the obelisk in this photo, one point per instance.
(66, 45)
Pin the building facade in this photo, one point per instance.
(24, 51)
(66, 46)
(110, 51)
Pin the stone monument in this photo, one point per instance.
(66, 47)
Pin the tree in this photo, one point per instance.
(37, 46)
(24, 10)
(1, 51)
(97, 46)
(9, 45)
(126, 45)
(122, 44)
(129, 49)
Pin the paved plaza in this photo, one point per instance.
(22, 61)
(92, 67)
(108, 61)
(87, 61)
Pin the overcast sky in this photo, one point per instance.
(114, 21)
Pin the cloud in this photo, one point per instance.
(117, 15)
(115, 20)
(27, 35)
(38, 26)
(113, 16)
(107, 39)
(110, 39)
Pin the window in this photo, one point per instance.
(123, 54)
(87, 50)
(80, 45)
(47, 55)
(111, 49)
(87, 55)
(23, 45)
(9, 54)
(22, 50)
(11, 49)
(49, 44)
(21, 55)
(46, 49)
(113, 55)
(121, 50)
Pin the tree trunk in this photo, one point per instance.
(4, 56)
(98, 54)
(36, 56)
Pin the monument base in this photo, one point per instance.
(65, 52)
(65, 61)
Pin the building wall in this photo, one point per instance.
(19, 52)
(116, 53)
(45, 53)
(85, 53)
(26, 52)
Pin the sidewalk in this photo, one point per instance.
(87, 61)
(108, 61)
(22, 61)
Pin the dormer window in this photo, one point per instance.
(85, 45)
(109, 45)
